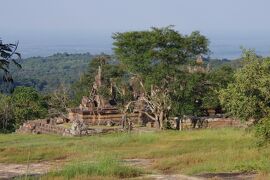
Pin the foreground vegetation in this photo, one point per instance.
(188, 152)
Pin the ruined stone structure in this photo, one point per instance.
(97, 115)
(96, 110)
(41, 126)
(101, 116)
(209, 122)
(79, 128)
(199, 66)
(48, 126)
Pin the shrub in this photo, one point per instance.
(263, 131)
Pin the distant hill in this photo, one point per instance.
(217, 63)
(46, 73)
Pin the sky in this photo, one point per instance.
(45, 26)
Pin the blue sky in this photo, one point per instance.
(94, 21)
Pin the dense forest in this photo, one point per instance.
(45, 74)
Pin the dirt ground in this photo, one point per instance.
(9, 171)
(229, 176)
(145, 163)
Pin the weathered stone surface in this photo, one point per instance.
(59, 120)
(110, 123)
(78, 128)
(171, 124)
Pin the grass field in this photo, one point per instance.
(188, 152)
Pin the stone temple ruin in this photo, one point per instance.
(97, 110)
(94, 115)
(97, 115)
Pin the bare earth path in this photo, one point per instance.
(8, 171)
(145, 163)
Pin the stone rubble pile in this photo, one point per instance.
(53, 126)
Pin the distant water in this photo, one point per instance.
(229, 49)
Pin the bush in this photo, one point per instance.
(28, 104)
(263, 131)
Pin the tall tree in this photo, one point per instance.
(157, 56)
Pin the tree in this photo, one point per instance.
(248, 97)
(158, 106)
(7, 53)
(58, 101)
(217, 79)
(157, 56)
(27, 105)
(110, 70)
(125, 100)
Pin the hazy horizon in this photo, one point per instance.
(47, 27)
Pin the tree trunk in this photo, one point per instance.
(124, 120)
(139, 120)
(161, 119)
(157, 123)
(98, 119)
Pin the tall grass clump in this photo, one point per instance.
(105, 167)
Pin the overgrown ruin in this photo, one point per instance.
(97, 114)
(98, 110)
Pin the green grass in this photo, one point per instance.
(105, 166)
(188, 152)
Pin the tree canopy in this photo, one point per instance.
(248, 96)
(158, 57)
(157, 53)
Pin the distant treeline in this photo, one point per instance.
(45, 74)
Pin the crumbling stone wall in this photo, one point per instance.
(41, 126)
(50, 126)
(81, 128)
(94, 118)
(209, 122)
